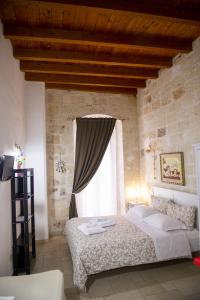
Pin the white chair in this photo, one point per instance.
(41, 286)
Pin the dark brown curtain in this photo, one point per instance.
(92, 138)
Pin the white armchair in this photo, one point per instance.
(41, 286)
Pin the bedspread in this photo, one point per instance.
(123, 244)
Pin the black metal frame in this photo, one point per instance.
(21, 241)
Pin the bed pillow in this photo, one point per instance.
(141, 211)
(185, 214)
(164, 222)
(160, 203)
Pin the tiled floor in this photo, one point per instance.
(169, 281)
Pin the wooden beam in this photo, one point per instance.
(181, 11)
(174, 11)
(171, 11)
(89, 70)
(89, 88)
(90, 58)
(52, 35)
(86, 80)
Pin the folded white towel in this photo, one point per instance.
(103, 222)
(89, 225)
(97, 220)
(107, 223)
(90, 230)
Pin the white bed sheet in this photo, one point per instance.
(168, 245)
(193, 237)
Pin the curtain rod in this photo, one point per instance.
(73, 119)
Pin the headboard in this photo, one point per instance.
(179, 197)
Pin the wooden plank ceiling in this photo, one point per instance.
(108, 46)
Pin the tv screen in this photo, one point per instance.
(6, 167)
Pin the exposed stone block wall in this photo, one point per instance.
(169, 118)
(62, 107)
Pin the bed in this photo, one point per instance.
(128, 243)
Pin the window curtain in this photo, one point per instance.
(104, 195)
(92, 138)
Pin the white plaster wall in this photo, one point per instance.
(11, 132)
(36, 152)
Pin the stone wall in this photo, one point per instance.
(169, 118)
(62, 107)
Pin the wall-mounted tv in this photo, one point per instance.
(6, 167)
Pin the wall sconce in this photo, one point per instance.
(61, 165)
(151, 148)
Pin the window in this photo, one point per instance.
(104, 195)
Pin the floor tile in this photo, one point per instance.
(172, 295)
(73, 297)
(146, 283)
(151, 289)
(188, 285)
(129, 295)
(168, 285)
(193, 297)
(68, 281)
(122, 283)
(100, 288)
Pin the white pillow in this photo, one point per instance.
(185, 214)
(164, 222)
(141, 211)
(160, 203)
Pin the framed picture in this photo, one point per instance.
(172, 168)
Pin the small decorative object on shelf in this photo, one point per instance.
(20, 158)
(60, 165)
(23, 221)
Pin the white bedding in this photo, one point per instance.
(127, 243)
(193, 237)
(168, 245)
(123, 244)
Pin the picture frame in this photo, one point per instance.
(172, 168)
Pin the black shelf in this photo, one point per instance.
(23, 220)
(21, 239)
(21, 197)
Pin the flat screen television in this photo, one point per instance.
(6, 167)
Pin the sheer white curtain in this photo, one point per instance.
(104, 195)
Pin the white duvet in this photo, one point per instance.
(168, 245)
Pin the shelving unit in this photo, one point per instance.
(23, 220)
